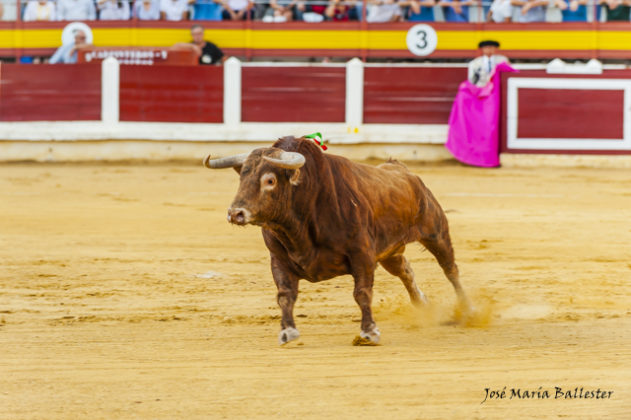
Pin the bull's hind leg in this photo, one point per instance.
(439, 244)
(398, 265)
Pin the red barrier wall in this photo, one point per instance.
(410, 95)
(293, 94)
(50, 92)
(566, 113)
(582, 118)
(171, 93)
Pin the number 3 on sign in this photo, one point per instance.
(421, 40)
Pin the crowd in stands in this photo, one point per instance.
(521, 11)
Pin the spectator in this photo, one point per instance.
(76, 10)
(147, 10)
(478, 10)
(237, 9)
(576, 11)
(207, 10)
(554, 11)
(481, 69)
(381, 11)
(113, 10)
(8, 10)
(528, 11)
(340, 10)
(455, 10)
(207, 52)
(315, 12)
(501, 11)
(287, 10)
(616, 10)
(421, 11)
(67, 53)
(42, 10)
(174, 9)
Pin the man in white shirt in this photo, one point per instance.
(174, 9)
(383, 11)
(8, 10)
(482, 68)
(76, 10)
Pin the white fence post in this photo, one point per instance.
(110, 90)
(232, 91)
(354, 93)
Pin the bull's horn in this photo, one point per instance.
(226, 162)
(287, 160)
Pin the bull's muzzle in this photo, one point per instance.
(238, 216)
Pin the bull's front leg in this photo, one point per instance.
(287, 284)
(364, 275)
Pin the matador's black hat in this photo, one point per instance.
(488, 43)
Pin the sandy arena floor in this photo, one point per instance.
(124, 293)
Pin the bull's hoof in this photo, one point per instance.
(368, 338)
(360, 341)
(421, 301)
(287, 335)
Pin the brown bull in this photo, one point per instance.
(324, 216)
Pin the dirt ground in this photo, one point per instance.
(124, 293)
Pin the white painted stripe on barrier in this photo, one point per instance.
(232, 91)
(110, 90)
(354, 93)
(252, 132)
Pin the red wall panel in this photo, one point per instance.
(410, 95)
(293, 94)
(50, 92)
(569, 113)
(171, 93)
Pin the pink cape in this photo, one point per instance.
(474, 120)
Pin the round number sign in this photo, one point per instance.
(421, 39)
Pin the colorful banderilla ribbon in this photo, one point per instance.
(317, 138)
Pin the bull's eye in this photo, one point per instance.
(268, 181)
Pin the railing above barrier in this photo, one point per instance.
(315, 11)
(590, 35)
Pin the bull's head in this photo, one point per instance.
(267, 178)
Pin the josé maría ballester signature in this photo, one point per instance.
(541, 393)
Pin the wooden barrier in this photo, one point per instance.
(50, 92)
(293, 94)
(171, 93)
(541, 113)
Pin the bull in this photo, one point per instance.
(324, 216)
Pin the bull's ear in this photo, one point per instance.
(295, 178)
(238, 169)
